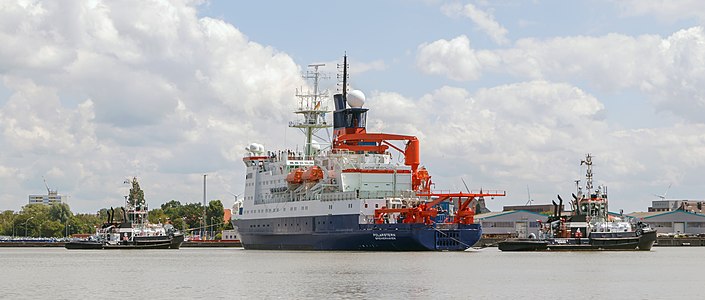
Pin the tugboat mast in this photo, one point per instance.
(312, 108)
(588, 174)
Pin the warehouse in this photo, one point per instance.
(520, 222)
(673, 222)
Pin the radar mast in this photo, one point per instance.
(313, 108)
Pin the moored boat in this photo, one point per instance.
(589, 227)
(132, 231)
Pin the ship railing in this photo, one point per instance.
(482, 191)
(386, 194)
(338, 196)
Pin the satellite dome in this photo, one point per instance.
(356, 98)
(255, 148)
(315, 145)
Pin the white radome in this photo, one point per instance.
(315, 145)
(356, 98)
(255, 148)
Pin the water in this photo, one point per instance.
(233, 273)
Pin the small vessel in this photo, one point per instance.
(132, 232)
(349, 192)
(590, 227)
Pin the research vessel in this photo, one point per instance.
(351, 194)
(588, 227)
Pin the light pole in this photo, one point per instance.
(212, 228)
(25, 226)
(40, 228)
(201, 221)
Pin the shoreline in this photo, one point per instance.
(187, 244)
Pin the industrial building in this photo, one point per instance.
(537, 208)
(673, 222)
(673, 205)
(515, 222)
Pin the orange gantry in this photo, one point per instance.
(425, 212)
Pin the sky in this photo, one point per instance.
(504, 95)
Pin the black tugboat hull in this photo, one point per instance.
(158, 242)
(647, 240)
(522, 245)
(83, 245)
(642, 242)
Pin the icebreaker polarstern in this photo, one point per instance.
(352, 194)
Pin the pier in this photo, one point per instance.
(662, 241)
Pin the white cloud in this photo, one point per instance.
(664, 9)
(484, 20)
(535, 133)
(454, 58)
(100, 91)
(669, 70)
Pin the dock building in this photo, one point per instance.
(514, 222)
(673, 222)
(696, 206)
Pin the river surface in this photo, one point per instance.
(234, 273)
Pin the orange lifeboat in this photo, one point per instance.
(313, 174)
(294, 177)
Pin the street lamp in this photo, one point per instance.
(25, 226)
(40, 228)
(202, 230)
(212, 228)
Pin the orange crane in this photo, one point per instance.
(425, 212)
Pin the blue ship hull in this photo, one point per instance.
(344, 233)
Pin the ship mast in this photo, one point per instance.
(312, 108)
(588, 174)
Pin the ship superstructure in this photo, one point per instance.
(349, 193)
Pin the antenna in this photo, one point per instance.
(588, 173)
(311, 108)
(344, 66)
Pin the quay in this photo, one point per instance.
(30, 244)
(188, 244)
(211, 243)
(662, 241)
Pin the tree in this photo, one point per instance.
(193, 213)
(180, 224)
(60, 212)
(173, 204)
(136, 198)
(7, 222)
(214, 215)
(173, 209)
(157, 215)
(51, 229)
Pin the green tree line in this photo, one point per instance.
(57, 220)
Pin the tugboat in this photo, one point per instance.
(589, 228)
(347, 192)
(133, 231)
